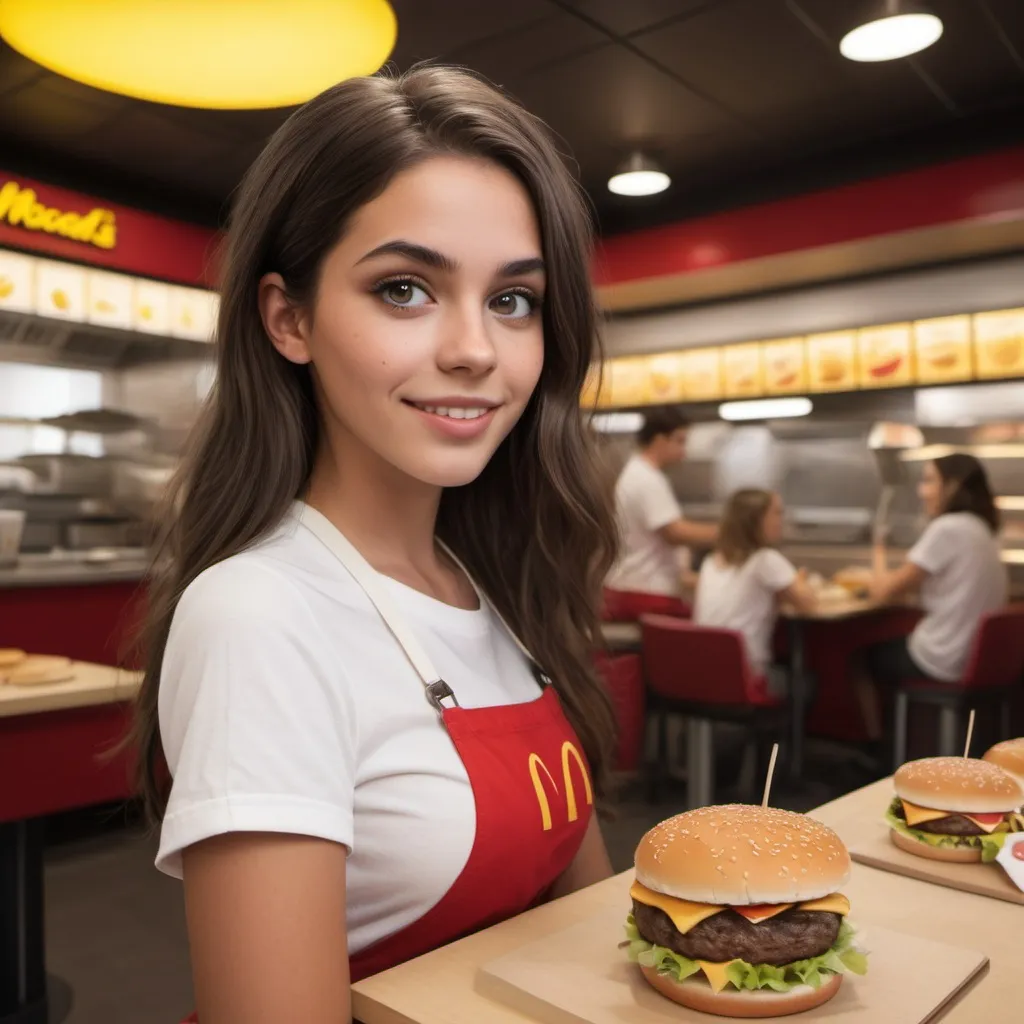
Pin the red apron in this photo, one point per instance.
(531, 788)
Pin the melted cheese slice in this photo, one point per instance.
(686, 915)
(916, 815)
(835, 903)
(683, 914)
(715, 973)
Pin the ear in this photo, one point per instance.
(286, 324)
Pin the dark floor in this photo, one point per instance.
(116, 930)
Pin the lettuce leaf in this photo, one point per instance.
(990, 844)
(842, 957)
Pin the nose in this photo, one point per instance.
(465, 344)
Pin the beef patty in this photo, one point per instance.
(951, 825)
(791, 935)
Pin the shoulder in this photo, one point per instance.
(773, 565)
(955, 524)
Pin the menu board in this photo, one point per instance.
(110, 299)
(60, 290)
(17, 282)
(885, 356)
(999, 343)
(784, 366)
(832, 361)
(193, 313)
(943, 349)
(665, 378)
(152, 307)
(741, 371)
(629, 383)
(702, 375)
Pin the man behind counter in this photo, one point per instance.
(647, 576)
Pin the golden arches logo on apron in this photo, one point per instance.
(536, 765)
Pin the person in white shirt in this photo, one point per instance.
(371, 721)
(648, 574)
(744, 579)
(957, 567)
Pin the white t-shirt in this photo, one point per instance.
(644, 503)
(286, 705)
(966, 578)
(742, 597)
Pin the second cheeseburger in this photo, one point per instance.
(736, 911)
(954, 808)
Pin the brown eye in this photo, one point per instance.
(406, 294)
(513, 305)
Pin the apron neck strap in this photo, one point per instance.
(373, 586)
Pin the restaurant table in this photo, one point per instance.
(52, 741)
(440, 987)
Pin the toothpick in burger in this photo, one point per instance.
(957, 809)
(736, 911)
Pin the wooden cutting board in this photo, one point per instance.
(38, 670)
(875, 849)
(579, 976)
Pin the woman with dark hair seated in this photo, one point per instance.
(955, 564)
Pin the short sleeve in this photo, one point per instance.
(935, 546)
(774, 571)
(658, 505)
(258, 727)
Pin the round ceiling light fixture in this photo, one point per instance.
(214, 54)
(639, 176)
(892, 29)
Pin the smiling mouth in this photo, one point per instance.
(454, 412)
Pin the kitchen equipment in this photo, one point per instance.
(12, 525)
(83, 475)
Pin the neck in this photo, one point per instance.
(650, 457)
(389, 516)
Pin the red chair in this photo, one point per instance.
(623, 675)
(703, 673)
(995, 670)
(629, 605)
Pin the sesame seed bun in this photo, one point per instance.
(1009, 755)
(964, 785)
(698, 995)
(740, 855)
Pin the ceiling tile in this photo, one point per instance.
(431, 30)
(625, 18)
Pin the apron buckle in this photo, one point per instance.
(439, 691)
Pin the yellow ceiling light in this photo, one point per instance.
(217, 54)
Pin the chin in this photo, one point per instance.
(450, 469)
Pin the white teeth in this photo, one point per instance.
(454, 413)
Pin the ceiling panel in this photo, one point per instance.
(740, 100)
(624, 17)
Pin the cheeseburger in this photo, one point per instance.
(736, 911)
(954, 808)
(1009, 755)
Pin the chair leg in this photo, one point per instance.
(949, 731)
(700, 762)
(899, 738)
(657, 749)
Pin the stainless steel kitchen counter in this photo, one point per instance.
(64, 571)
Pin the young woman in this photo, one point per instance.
(955, 564)
(370, 676)
(744, 579)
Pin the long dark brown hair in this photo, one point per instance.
(968, 488)
(741, 531)
(535, 528)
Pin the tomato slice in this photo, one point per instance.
(987, 819)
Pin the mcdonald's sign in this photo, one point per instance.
(536, 765)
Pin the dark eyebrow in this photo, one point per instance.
(433, 258)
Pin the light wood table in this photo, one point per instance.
(440, 987)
